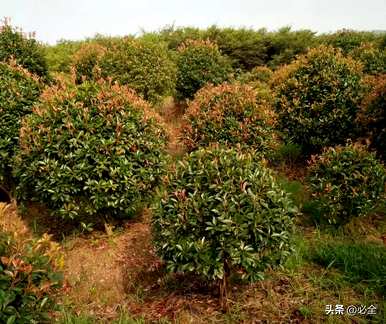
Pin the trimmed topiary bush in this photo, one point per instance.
(94, 149)
(199, 63)
(318, 97)
(346, 182)
(19, 90)
(231, 114)
(373, 58)
(222, 212)
(143, 66)
(373, 115)
(26, 51)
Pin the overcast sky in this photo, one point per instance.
(76, 19)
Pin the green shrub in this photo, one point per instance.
(231, 114)
(246, 48)
(347, 40)
(59, 56)
(90, 150)
(222, 212)
(143, 66)
(175, 37)
(26, 51)
(86, 62)
(256, 76)
(373, 114)
(199, 63)
(317, 98)
(28, 276)
(373, 59)
(284, 45)
(346, 182)
(19, 90)
(289, 153)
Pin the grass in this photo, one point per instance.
(358, 262)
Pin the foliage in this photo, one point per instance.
(26, 51)
(143, 66)
(359, 262)
(246, 48)
(89, 150)
(373, 114)
(346, 182)
(256, 76)
(284, 45)
(199, 63)
(373, 59)
(29, 274)
(347, 39)
(314, 94)
(231, 114)
(59, 56)
(19, 90)
(221, 211)
(289, 152)
(86, 62)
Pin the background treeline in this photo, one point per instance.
(246, 48)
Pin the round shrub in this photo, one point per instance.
(19, 90)
(317, 98)
(230, 114)
(373, 115)
(373, 58)
(346, 182)
(86, 62)
(143, 66)
(26, 51)
(89, 150)
(198, 63)
(222, 212)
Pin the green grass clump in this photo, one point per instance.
(359, 262)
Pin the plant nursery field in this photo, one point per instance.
(189, 175)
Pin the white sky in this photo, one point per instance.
(76, 19)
